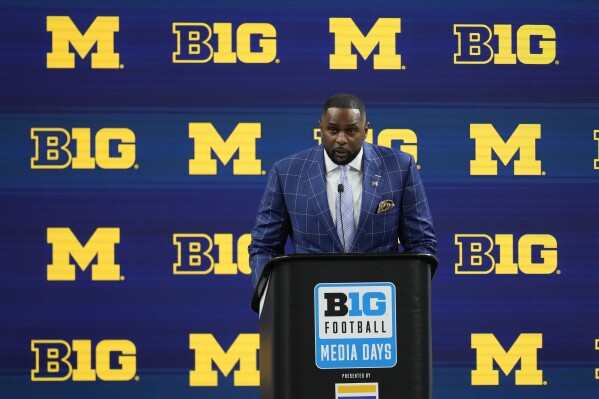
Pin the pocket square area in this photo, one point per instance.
(384, 206)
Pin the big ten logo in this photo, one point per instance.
(109, 148)
(355, 304)
(596, 137)
(65, 34)
(242, 140)
(488, 141)
(597, 349)
(196, 253)
(255, 43)
(478, 44)
(355, 325)
(100, 246)
(58, 360)
(244, 350)
(348, 35)
(524, 350)
(481, 254)
(406, 138)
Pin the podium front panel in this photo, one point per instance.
(291, 364)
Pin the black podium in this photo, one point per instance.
(346, 326)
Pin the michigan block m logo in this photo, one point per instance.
(243, 351)
(100, 33)
(522, 140)
(242, 140)
(101, 245)
(524, 350)
(382, 34)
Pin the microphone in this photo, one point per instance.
(340, 190)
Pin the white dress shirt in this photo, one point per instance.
(355, 180)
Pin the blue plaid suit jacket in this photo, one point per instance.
(295, 205)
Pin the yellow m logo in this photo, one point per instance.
(65, 245)
(207, 139)
(382, 34)
(523, 139)
(524, 350)
(100, 33)
(207, 350)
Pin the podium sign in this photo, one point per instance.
(346, 326)
(355, 325)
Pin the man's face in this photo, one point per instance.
(342, 131)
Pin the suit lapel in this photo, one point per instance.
(317, 182)
(372, 187)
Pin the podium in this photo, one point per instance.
(346, 326)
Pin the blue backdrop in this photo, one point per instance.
(117, 149)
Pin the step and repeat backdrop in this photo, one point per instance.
(136, 139)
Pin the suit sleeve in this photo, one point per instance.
(416, 231)
(272, 226)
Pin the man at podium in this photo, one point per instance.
(343, 196)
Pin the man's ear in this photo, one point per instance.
(366, 128)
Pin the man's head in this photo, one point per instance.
(343, 127)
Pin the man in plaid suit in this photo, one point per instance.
(303, 201)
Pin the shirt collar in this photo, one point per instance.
(355, 164)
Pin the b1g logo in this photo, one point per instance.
(537, 254)
(56, 148)
(195, 254)
(596, 161)
(407, 139)
(58, 360)
(524, 350)
(597, 349)
(100, 246)
(242, 140)
(355, 325)
(256, 43)
(382, 34)
(535, 44)
(488, 141)
(65, 34)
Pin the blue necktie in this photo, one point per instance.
(345, 211)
